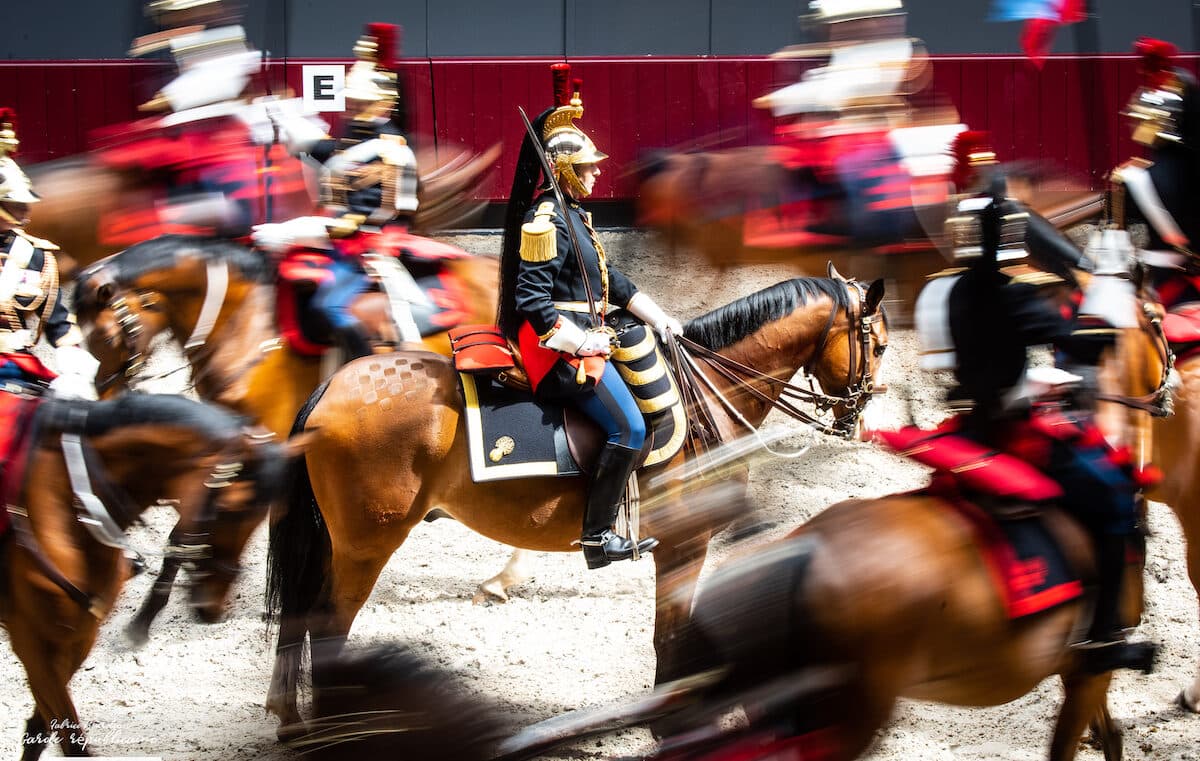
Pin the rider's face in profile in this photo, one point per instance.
(587, 175)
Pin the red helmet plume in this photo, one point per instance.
(971, 148)
(560, 73)
(387, 42)
(1157, 59)
(8, 132)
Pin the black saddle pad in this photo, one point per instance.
(511, 435)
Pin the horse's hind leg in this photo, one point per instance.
(352, 576)
(137, 633)
(515, 572)
(1085, 701)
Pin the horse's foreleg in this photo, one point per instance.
(37, 737)
(514, 573)
(1086, 700)
(1190, 697)
(137, 633)
(49, 669)
(677, 570)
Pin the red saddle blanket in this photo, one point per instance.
(300, 273)
(1182, 328)
(16, 412)
(1026, 563)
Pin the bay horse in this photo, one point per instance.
(91, 469)
(390, 445)
(1166, 420)
(125, 301)
(79, 194)
(704, 202)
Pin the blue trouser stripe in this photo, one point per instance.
(612, 406)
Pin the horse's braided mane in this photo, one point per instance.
(209, 420)
(159, 254)
(731, 323)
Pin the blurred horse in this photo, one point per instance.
(391, 445)
(90, 470)
(1169, 437)
(711, 203)
(126, 301)
(899, 593)
(80, 196)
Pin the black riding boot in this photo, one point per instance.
(1107, 648)
(600, 545)
(352, 341)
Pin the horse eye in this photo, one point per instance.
(880, 349)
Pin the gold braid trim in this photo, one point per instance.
(603, 261)
(49, 286)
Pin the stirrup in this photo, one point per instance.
(607, 547)
(1099, 656)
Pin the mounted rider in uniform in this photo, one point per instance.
(206, 156)
(369, 188)
(1163, 190)
(554, 298)
(31, 302)
(993, 318)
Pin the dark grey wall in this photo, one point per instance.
(60, 29)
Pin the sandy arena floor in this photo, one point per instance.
(196, 692)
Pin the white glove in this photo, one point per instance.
(643, 307)
(76, 373)
(567, 337)
(299, 131)
(596, 343)
(312, 232)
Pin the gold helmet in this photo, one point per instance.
(1157, 106)
(965, 230)
(14, 184)
(372, 78)
(566, 145)
(176, 14)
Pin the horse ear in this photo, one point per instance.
(874, 296)
(832, 272)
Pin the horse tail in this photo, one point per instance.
(298, 549)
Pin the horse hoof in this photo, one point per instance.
(1186, 704)
(490, 592)
(290, 732)
(136, 637)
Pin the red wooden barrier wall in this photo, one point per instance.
(1066, 113)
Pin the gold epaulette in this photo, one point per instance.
(539, 240)
(37, 242)
(1032, 277)
(345, 225)
(948, 272)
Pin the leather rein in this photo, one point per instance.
(131, 328)
(860, 381)
(1157, 403)
(103, 507)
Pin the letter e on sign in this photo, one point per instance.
(324, 87)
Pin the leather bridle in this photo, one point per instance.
(860, 380)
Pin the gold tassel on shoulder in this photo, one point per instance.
(539, 240)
